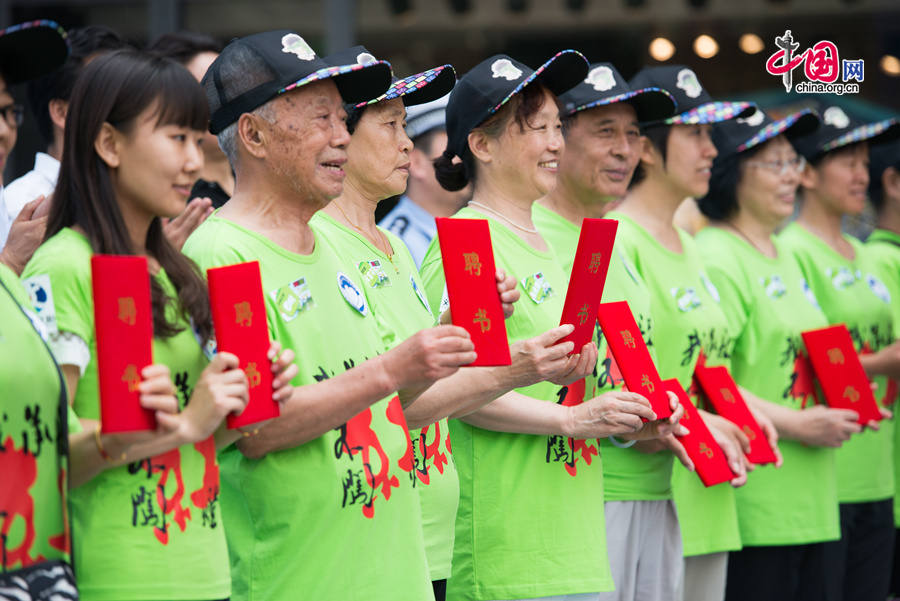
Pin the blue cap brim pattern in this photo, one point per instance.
(860, 134)
(624, 97)
(534, 76)
(408, 85)
(330, 72)
(713, 112)
(36, 23)
(773, 129)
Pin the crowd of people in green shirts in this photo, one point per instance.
(395, 471)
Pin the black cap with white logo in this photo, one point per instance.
(738, 135)
(491, 83)
(604, 85)
(283, 61)
(838, 129)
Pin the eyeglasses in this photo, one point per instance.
(14, 114)
(780, 168)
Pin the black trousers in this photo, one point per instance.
(440, 589)
(895, 577)
(858, 567)
(782, 573)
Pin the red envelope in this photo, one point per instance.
(589, 269)
(627, 344)
(469, 270)
(720, 388)
(837, 367)
(123, 322)
(239, 317)
(702, 448)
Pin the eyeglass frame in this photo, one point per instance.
(16, 111)
(781, 167)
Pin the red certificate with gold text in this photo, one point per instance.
(468, 260)
(841, 375)
(123, 322)
(627, 345)
(708, 457)
(589, 269)
(239, 317)
(720, 388)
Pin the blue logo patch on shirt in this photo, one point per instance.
(352, 294)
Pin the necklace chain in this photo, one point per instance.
(530, 230)
(387, 245)
(747, 238)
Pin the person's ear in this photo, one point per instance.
(420, 166)
(890, 181)
(108, 145)
(650, 156)
(254, 134)
(809, 178)
(480, 144)
(58, 109)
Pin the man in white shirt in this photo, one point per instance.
(48, 98)
(412, 219)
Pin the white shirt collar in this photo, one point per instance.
(46, 166)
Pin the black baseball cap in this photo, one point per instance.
(420, 88)
(30, 50)
(695, 105)
(605, 85)
(838, 129)
(738, 135)
(290, 63)
(491, 83)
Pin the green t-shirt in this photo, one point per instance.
(768, 305)
(628, 474)
(152, 528)
(397, 301)
(686, 318)
(336, 517)
(850, 292)
(516, 535)
(884, 248)
(33, 465)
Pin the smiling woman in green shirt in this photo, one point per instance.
(786, 514)
(844, 279)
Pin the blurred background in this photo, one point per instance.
(725, 42)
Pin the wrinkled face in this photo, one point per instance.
(527, 159)
(602, 150)
(157, 165)
(307, 143)
(689, 159)
(841, 179)
(8, 128)
(763, 191)
(378, 154)
(198, 66)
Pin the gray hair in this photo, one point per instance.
(228, 136)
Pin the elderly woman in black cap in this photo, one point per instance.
(675, 163)
(377, 168)
(843, 277)
(519, 534)
(784, 515)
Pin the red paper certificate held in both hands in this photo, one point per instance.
(720, 388)
(123, 322)
(840, 373)
(239, 318)
(627, 344)
(588, 276)
(708, 457)
(468, 260)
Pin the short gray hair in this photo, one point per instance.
(228, 136)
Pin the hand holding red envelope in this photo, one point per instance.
(720, 388)
(468, 260)
(588, 276)
(709, 459)
(839, 371)
(123, 322)
(627, 345)
(239, 318)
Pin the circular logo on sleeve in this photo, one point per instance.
(352, 294)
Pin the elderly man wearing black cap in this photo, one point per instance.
(845, 279)
(27, 51)
(319, 503)
(412, 219)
